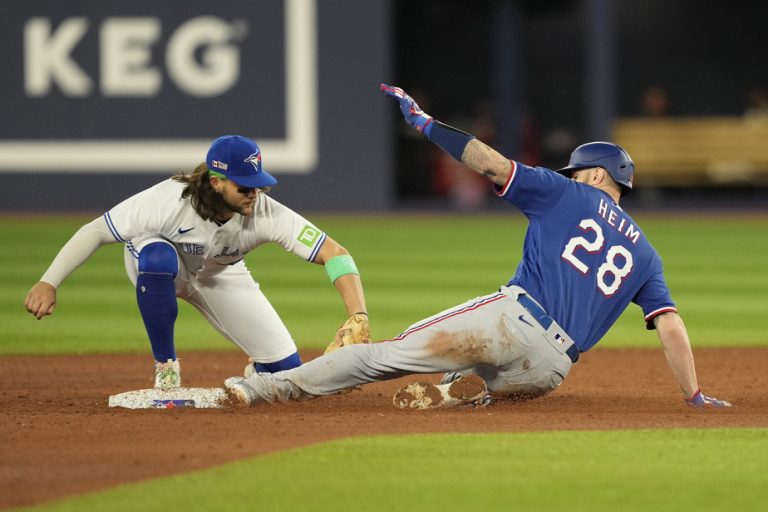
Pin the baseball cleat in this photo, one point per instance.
(450, 377)
(467, 390)
(168, 374)
(240, 392)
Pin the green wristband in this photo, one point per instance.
(340, 266)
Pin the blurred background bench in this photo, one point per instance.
(696, 150)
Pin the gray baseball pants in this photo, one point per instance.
(505, 337)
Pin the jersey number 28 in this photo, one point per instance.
(609, 270)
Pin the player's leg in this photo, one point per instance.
(456, 339)
(545, 363)
(153, 268)
(541, 371)
(521, 358)
(236, 307)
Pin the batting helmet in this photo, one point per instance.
(607, 155)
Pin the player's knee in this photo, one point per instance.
(292, 361)
(159, 258)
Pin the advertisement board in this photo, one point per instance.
(109, 88)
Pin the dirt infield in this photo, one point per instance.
(59, 438)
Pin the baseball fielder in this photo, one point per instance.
(584, 260)
(186, 237)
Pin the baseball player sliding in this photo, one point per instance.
(186, 237)
(584, 260)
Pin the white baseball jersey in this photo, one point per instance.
(212, 276)
(204, 247)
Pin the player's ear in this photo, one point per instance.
(598, 175)
(215, 183)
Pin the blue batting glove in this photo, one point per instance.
(411, 111)
(699, 399)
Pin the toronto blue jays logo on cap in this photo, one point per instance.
(255, 159)
(231, 155)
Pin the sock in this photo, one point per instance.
(156, 295)
(292, 361)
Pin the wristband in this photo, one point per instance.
(448, 138)
(339, 266)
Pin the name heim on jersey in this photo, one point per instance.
(624, 227)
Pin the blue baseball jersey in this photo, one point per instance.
(584, 258)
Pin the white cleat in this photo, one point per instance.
(240, 392)
(469, 390)
(168, 374)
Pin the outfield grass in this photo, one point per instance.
(665, 470)
(412, 267)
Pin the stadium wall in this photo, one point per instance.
(102, 99)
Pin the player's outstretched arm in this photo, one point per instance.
(485, 160)
(41, 299)
(677, 350)
(343, 273)
(462, 146)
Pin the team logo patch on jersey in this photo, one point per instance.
(308, 235)
(220, 165)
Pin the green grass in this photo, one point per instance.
(680, 470)
(412, 267)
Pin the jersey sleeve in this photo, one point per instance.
(654, 297)
(293, 232)
(140, 214)
(77, 250)
(534, 190)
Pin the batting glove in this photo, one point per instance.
(699, 399)
(411, 111)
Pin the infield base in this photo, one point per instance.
(197, 398)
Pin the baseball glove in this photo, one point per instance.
(355, 330)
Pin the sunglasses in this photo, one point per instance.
(248, 190)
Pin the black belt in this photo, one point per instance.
(545, 321)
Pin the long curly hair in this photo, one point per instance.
(208, 203)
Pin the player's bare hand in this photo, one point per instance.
(411, 111)
(699, 399)
(41, 300)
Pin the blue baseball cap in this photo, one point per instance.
(238, 159)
